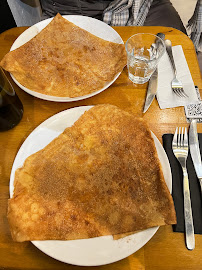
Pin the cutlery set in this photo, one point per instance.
(176, 84)
(180, 147)
(181, 142)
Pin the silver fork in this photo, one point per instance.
(176, 84)
(180, 150)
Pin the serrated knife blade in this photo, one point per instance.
(151, 91)
(195, 150)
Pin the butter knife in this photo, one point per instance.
(194, 150)
(151, 91)
(152, 86)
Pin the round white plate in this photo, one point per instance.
(94, 26)
(85, 252)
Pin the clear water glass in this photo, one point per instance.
(144, 51)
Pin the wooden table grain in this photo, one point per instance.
(166, 250)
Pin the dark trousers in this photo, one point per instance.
(162, 13)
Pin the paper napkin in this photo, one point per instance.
(177, 187)
(165, 96)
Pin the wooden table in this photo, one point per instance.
(166, 250)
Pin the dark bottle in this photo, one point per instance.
(11, 108)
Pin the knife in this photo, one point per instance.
(151, 91)
(194, 149)
(152, 87)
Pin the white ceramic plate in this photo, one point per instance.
(87, 252)
(94, 26)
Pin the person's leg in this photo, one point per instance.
(162, 13)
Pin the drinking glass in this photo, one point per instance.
(143, 54)
(11, 108)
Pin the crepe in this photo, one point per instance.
(66, 61)
(101, 176)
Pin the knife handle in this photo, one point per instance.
(200, 181)
(189, 228)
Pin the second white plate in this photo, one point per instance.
(94, 26)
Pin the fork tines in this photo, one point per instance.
(180, 138)
(178, 89)
(179, 92)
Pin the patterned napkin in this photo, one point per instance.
(194, 110)
(165, 96)
(177, 187)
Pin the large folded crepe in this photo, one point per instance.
(65, 60)
(102, 176)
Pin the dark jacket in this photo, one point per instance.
(91, 8)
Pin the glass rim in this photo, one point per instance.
(154, 35)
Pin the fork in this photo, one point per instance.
(180, 150)
(176, 84)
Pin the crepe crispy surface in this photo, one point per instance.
(66, 61)
(100, 177)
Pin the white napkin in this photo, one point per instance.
(165, 96)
